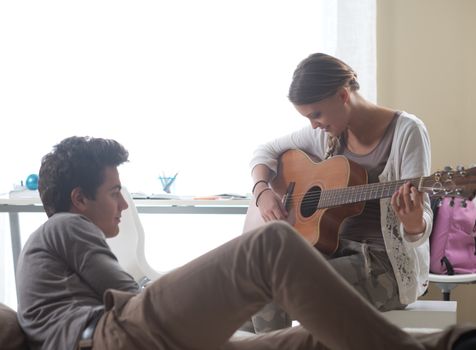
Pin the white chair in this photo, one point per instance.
(128, 245)
(446, 283)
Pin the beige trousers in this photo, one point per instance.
(200, 305)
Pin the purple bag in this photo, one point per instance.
(452, 241)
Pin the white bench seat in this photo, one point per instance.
(424, 314)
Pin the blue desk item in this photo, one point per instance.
(32, 182)
(167, 182)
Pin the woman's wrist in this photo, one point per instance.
(259, 186)
(415, 230)
(260, 193)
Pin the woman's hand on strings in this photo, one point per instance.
(271, 207)
(407, 202)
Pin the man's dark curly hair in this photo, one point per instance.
(76, 162)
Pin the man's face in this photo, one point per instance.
(105, 210)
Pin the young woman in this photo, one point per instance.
(383, 252)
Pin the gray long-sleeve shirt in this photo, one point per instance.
(63, 271)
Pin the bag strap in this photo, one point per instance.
(449, 268)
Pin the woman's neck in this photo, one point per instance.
(367, 125)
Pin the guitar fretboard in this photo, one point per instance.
(361, 193)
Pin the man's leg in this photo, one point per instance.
(201, 304)
(365, 267)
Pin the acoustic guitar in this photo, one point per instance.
(320, 195)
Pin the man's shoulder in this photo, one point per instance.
(66, 220)
(64, 226)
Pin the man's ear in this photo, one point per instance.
(78, 200)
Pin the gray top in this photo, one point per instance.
(367, 227)
(63, 271)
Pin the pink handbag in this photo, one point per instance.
(452, 241)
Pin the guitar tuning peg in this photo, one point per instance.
(459, 168)
(447, 168)
(463, 203)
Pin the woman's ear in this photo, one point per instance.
(78, 203)
(344, 94)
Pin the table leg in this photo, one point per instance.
(16, 239)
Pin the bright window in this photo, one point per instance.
(187, 86)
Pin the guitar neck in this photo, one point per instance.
(361, 193)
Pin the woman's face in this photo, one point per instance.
(330, 114)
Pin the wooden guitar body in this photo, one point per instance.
(318, 226)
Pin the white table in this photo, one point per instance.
(14, 206)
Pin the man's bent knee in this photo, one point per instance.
(281, 231)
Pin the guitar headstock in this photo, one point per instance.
(452, 183)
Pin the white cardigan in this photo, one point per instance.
(409, 158)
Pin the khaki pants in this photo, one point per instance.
(365, 267)
(200, 305)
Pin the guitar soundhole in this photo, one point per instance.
(310, 201)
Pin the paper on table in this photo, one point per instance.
(140, 195)
(222, 196)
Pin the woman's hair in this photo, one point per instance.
(320, 76)
(317, 77)
(76, 162)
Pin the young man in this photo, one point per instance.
(73, 293)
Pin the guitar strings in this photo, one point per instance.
(359, 193)
(353, 194)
